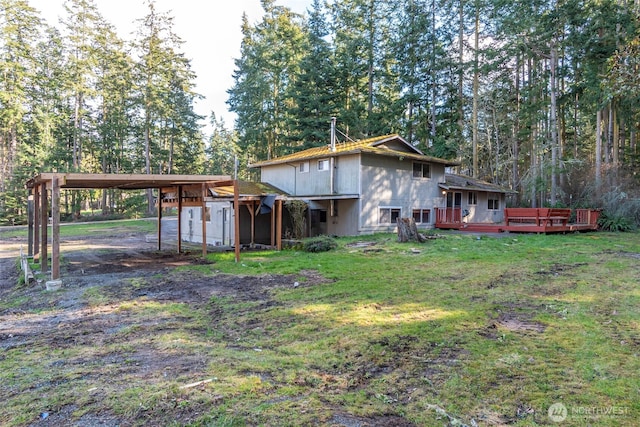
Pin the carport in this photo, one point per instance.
(173, 190)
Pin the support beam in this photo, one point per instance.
(36, 222)
(273, 225)
(204, 220)
(55, 228)
(159, 219)
(251, 207)
(179, 190)
(44, 219)
(236, 214)
(30, 218)
(279, 226)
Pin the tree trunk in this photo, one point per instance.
(554, 125)
(598, 153)
(476, 84)
(408, 231)
(461, 73)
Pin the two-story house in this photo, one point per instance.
(364, 186)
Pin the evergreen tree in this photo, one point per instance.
(19, 30)
(222, 151)
(167, 123)
(315, 91)
(266, 71)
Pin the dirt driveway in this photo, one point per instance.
(85, 329)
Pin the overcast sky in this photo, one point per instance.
(209, 28)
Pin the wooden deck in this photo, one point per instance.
(523, 220)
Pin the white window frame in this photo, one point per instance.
(304, 167)
(421, 212)
(321, 165)
(495, 206)
(424, 168)
(472, 198)
(391, 210)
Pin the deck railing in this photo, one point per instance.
(448, 215)
(587, 216)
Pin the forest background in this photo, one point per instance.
(537, 96)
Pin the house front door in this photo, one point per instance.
(454, 199)
(454, 204)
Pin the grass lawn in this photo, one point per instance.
(461, 330)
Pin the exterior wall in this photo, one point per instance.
(388, 182)
(345, 220)
(216, 234)
(313, 181)
(480, 212)
(347, 174)
(280, 176)
(221, 231)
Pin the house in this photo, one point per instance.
(362, 187)
(257, 203)
(470, 200)
(350, 188)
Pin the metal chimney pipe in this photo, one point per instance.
(333, 134)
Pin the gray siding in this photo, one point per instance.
(313, 181)
(480, 212)
(389, 182)
(280, 176)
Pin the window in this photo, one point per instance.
(473, 198)
(421, 170)
(422, 216)
(389, 215)
(493, 203)
(304, 167)
(207, 214)
(323, 165)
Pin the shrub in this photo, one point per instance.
(620, 211)
(319, 244)
(608, 222)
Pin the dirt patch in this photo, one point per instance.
(126, 305)
(514, 322)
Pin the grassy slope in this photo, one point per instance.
(493, 330)
(399, 332)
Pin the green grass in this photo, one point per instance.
(425, 328)
(485, 330)
(146, 225)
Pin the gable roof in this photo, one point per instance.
(247, 189)
(463, 182)
(388, 145)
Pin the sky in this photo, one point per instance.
(209, 28)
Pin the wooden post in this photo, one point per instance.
(30, 215)
(236, 212)
(273, 226)
(44, 219)
(55, 228)
(251, 207)
(279, 226)
(179, 188)
(159, 219)
(36, 222)
(204, 220)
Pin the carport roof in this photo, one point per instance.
(121, 181)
